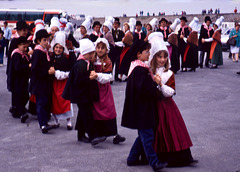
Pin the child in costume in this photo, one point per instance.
(63, 63)
(172, 142)
(140, 108)
(104, 111)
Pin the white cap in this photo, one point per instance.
(194, 24)
(175, 23)
(108, 24)
(219, 21)
(55, 22)
(103, 40)
(157, 44)
(39, 24)
(60, 38)
(155, 36)
(87, 24)
(153, 23)
(132, 24)
(63, 23)
(86, 46)
(110, 18)
(89, 18)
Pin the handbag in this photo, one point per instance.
(231, 41)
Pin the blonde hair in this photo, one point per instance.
(154, 64)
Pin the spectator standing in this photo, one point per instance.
(7, 35)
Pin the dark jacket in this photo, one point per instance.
(64, 63)
(139, 110)
(18, 74)
(13, 45)
(181, 43)
(167, 33)
(93, 37)
(204, 34)
(79, 88)
(136, 36)
(117, 35)
(40, 80)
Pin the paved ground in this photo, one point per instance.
(208, 100)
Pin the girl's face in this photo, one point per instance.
(105, 29)
(83, 30)
(58, 49)
(23, 47)
(126, 28)
(54, 30)
(215, 27)
(161, 60)
(148, 28)
(101, 50)
(44, 42)
(144, 56)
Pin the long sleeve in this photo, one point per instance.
(166, 91)
(61, 75)
(104, 78)
(209, 40)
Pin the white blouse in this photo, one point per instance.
(165, 76)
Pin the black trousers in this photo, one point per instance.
(202, 53)
(7, 43)
(85, 122)
(19, 101)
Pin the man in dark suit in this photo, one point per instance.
(138, 34)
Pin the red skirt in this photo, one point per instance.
(105, 108)
(59, 105)
(171, 134)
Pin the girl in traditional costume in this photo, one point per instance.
(190, 59)
(172, 141)
(104, 111)
(63, 63)
(216, 47)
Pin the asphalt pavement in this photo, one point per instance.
(209, 100)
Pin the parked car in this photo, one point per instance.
(225, 37)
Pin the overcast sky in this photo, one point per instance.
(99, 8)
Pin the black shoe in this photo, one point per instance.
(69, 127)
(46, 128)
(159, 165)
(200, 65)
(207, 66)
(84, 139)
(98, 140)
(24, 118)
(117, 139)
(238, 73)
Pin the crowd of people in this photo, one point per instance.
(50, 70)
